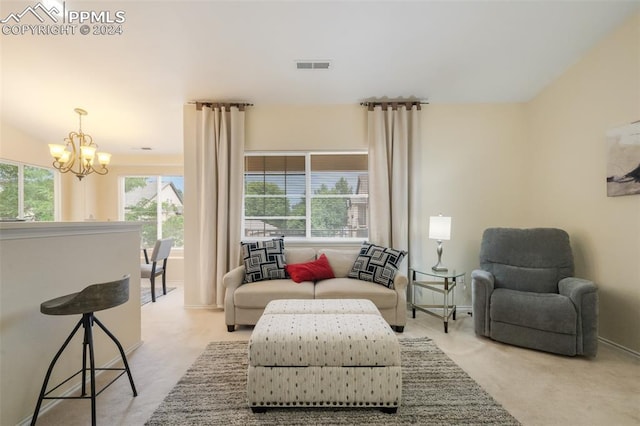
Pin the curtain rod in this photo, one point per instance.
(393, 104)
(240, 105)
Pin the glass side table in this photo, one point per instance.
(440, 282)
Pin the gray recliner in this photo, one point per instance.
(525, 293)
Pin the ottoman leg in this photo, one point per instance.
(389, 410)
(231, 328)
(259, 410)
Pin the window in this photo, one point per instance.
(276, 201)
(164, 219)
(27, 192)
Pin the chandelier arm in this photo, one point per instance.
(85, 153)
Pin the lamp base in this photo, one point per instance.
(439, 268)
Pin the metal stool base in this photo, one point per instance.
(86, 321)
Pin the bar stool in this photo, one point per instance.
(93, 298)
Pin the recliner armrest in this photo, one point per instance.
(483, 277)
(575, 288)
(482, 284)
(584, 295)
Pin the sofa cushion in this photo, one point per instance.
(263, 260)
(349, 288)
(310, 271)
(299, 255)
(257, 295)
(341, 261)
(377, 264)
(540, 311)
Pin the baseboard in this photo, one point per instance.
(52, 403)
(214, 308)
(619, 347)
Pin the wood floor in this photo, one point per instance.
(537, 388)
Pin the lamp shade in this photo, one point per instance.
(440, 228)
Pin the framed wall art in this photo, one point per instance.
(623, 160)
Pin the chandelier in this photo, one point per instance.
(80, 151)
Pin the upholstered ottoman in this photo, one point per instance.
(337, 353)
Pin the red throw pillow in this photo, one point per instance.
(319, 269)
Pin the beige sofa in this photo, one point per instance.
(245, 302)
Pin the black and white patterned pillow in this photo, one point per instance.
(377, 264)
(263, 260)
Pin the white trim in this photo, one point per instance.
(619, 347)
(213, 308)
(22, 230)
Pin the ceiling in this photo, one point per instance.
(134, 85)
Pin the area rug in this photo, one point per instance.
(435, 391)
(145, 294)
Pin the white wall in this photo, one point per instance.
(566, 171)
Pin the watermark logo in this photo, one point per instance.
(38, 10)
(53, 18)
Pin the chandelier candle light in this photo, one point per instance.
(439, 230)
(79, 148)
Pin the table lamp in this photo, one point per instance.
(439, 230)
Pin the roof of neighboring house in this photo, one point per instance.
(148, 192)
(363, 184)
(255, 224)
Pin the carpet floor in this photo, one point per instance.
(145, 293)
(435, 391)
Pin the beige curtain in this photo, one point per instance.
(219, 172)
(392, 130)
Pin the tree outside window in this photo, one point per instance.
(26, 192)
(157, 202)
(276, 201)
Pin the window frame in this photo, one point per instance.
(307, 239)
(121, 202)
(56, 187)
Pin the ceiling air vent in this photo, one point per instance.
(313, 65)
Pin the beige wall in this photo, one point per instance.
(308, 127)
(566, 166)
(470, 168)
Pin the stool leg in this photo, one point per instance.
(88, 323)
(43, 391)
(85, 343)
(124, 357)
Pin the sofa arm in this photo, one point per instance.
(400, 283)
(482, 284)
(231, 281)
(584, 295)
(234, 278)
